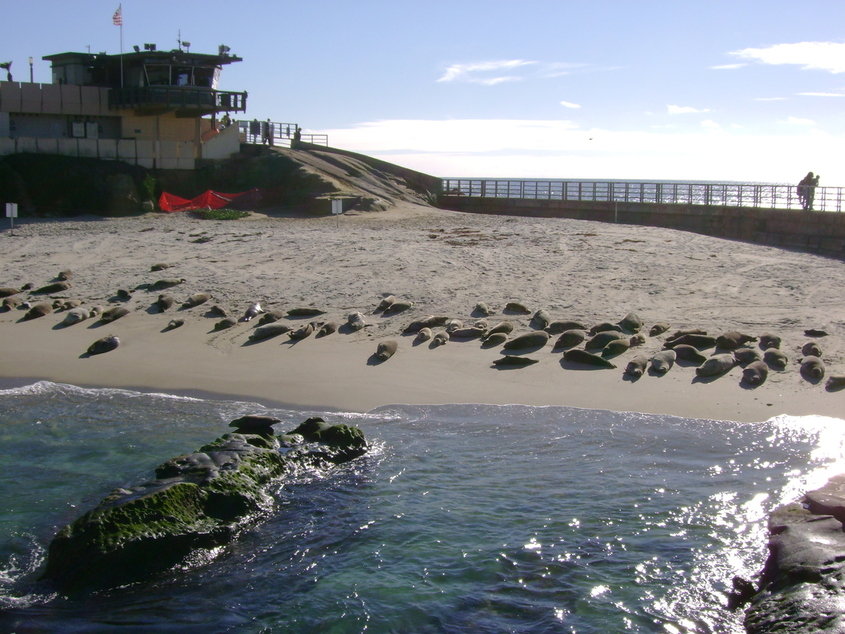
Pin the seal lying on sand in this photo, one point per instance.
(268, 330)
(355, 321)
(733, 339)
(305, 312)
(561, 326)
(601, 339)
(658, 329)
(716, 365)
(689, 353)
(811, 349)
(541, 318)
(769, 341)
(496, 339)
(576, 355)
(528, 340)
(663, 361)
(386, 302)
(105, 344)
(113, 313)
(253, 311)
(618, 346)
(570, 338)
(173, 324)
(56, 287)
(397, 307)
(483, 309)
(160, 285)
(196, 299)
(424, 334)
(516, 307)
(75, 315)
(812, 368)
(164, 302)
(270, 316)
(8, 291)
(775, 358)
(745, 356)
(386, 349)
(302, 332)
(636, 366)
(440, 338)
(38, 310)
(631, 322)
(503, 326)
(326, 329)
(509, 361)
(755, 373)
(692, 339)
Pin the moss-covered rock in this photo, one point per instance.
(199, 500)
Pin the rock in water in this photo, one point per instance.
(197, 501)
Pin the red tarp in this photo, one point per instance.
(209, 200)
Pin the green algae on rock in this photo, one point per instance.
(196, 501)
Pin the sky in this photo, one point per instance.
(603, 89)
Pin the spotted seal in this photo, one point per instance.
(733, 339)
(569, 339)
(252, 311)
(386, 302)
(636, 366)
(812, 368)
(510, 361)
(658, 329)
(716, 365)
(196, 299)
(541, 318)
(386, 349)
(562, 325)
(755, 373)
(269, 330)
(516, 307)
(663, 361)
(326, 329)
(302, 332)
(496, 339)
(775, 358)
(483, 309)
(55, 287)
(601, 339)
(355, 321)
(686, 352)
(536, 339)
(745, 356)
(113, 314)
(441, 338)
(164, 302)
(769, 340)
(811, 349)
(576, 355)
(38, 310)
(104, 344)
(160, 285)
(75, 315)
(631, 322)
(397, 307)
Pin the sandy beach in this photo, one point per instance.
(445, 263)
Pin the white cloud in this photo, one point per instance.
(829, 56)
(799, 121)
(510, 148)
(821, 94)
(480, 72)
(569, 104)
(709, 124)
(672, 109)
(728, 66)
(769, 98)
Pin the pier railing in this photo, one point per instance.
(757, 195)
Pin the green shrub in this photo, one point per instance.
(220, 214)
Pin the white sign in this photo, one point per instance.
(337, 206)
(11, 210)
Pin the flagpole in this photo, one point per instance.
(120, 8)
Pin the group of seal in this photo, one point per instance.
(583, 344)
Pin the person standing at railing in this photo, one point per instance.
(811, 192)
(804, 187)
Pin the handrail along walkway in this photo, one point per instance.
(755, 195)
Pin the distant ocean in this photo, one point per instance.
(463, 518)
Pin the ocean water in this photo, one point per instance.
(463, 518)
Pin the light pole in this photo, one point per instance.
(30, 71)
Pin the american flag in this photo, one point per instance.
(117, 18)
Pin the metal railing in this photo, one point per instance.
(276, 133)
(204, 99)
(769, 196)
